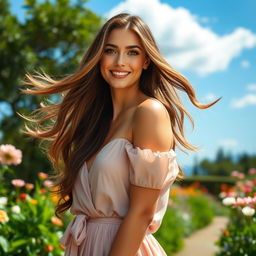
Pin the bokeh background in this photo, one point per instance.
(213, 45)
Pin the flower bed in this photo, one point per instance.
(190, 208)
(27, 222)
(239, 238)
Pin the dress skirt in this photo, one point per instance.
(99, 236)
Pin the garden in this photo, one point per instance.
(28, 225)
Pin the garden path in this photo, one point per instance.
(201, 242)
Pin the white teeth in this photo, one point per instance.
(120, 73)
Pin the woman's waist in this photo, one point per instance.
(107, 220)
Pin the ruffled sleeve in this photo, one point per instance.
(151, 169)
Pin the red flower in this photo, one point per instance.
(23, 196)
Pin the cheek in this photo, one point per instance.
(137, 64)
(104, 64)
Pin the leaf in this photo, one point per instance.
(18, 243)
(4, 243)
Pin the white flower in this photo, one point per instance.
(3, 201)
(228, 201)
(222, 194)
(248, 211)
(15, 209)
(185, 216)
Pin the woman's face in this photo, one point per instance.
(123, 59)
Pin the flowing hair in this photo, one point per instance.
(75, 128)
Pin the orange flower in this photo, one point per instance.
(226, 232)
(43, 190)
(33, 201)
(3, 216)
(49, 248)
(56, 221)
(224, 187)
(62, 246)
(42, 175)
(55, 198)
(29, 186)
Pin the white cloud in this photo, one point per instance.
(249, 99)
(183, 41)
(251, 87)
(245, 64)
(228, 143)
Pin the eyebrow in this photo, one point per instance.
(127, 47)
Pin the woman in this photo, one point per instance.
(112, 140)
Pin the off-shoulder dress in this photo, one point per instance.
(101, 197)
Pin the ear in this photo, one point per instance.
(146, 63)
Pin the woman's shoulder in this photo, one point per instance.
(150, 107)
(151, 125)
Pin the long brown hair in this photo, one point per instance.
(76, 127)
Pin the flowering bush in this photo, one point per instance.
(27, 222)
(190, 208)
(239, 238)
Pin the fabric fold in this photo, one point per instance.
(151, 169)
(75, 232)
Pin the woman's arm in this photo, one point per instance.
(151, 129)
(134, 226)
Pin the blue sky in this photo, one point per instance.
(214, 46)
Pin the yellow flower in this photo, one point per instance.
(3, 216)
(55, 198)
(33, 201)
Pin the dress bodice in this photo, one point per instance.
(103, 191)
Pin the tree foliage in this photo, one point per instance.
(225, 163)
(53, 37)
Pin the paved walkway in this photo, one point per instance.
(201, 242)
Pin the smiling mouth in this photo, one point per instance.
(119, 74)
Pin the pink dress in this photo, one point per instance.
(101, 197)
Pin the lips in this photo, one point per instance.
(119, 74)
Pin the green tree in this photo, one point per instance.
(53, 36)
(195, 168)
(224, 164)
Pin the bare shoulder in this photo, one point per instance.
(151, 106)
(152, 126)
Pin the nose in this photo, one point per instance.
(120, 59)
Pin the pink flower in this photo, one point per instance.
(234, 173)
(240, 175)
(240, 201)
(18, 183)
(247, 189)
(10, 155)
(48, 183)
(252, 171)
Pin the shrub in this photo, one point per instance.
(27, 222)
